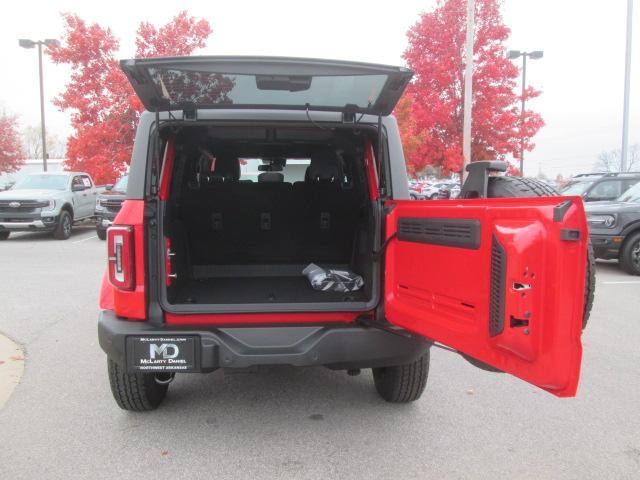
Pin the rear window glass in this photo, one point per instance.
(210, 89)
(293, 171)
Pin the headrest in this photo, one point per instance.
(323, 168)
(271, 177)
(226, 169)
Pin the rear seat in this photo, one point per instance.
(273, 198)
(234, 222)
(327, 213)
(207, 210)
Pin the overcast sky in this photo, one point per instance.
(581, 74)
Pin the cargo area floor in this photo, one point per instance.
(283, 289)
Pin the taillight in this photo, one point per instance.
(120, 253)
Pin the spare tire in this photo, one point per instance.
(508, 187)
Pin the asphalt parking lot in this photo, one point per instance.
(61, 421)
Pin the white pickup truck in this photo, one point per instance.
(49, 202)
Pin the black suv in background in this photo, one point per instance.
(108, 205)
(597, 187)
(614, 229)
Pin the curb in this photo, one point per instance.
(11, 367)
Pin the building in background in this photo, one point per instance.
(32, 165)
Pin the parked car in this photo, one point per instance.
(205, 270)
(108, 205)
(415, 192)
(597, 187)
(614, 229)
(451, 190)
(48, 202)
(430, 192)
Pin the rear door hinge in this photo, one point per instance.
(387, 327)
(190, 112)
(149, 210)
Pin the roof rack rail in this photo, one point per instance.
(617, 174)
(605, 174)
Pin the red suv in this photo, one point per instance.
(205, 258)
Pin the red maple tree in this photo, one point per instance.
(431, 114)
(105, 109)
(11, 151)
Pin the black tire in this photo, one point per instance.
(136, 392)
(413, 197)
(630, 254)
(402, 383)
(433, 196)
(505, 187)
(102, 233)
(4, 235)
(63, 228)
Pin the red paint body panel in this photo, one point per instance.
(167, 170)
(372, 173)
(106, 293)
(260, 318)
(132, 304)
(443, 292)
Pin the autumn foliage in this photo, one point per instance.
(11, 152)
(431, 113)
(105, 109)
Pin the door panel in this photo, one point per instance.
(500, 280)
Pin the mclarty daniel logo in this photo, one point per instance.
(163, 354)
(166, 350)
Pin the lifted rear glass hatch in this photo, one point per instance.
(266, 83)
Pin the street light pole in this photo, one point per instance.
(627, 87)
(468, 91)
(524, 83)
(49, 42)
(512, 55)
(44, 131)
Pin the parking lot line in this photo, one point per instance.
(623, 282)
(84, 239)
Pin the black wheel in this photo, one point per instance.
(630, 255)
(136, 392)
(413, 197)
(63, 229)
(4, 235)
(102, 233)
(402, 383)
(433, 196)
(502, 187)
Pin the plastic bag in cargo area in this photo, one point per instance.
(330, 280)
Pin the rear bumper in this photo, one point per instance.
(339, 347)
(104, 219)
(606, 246)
